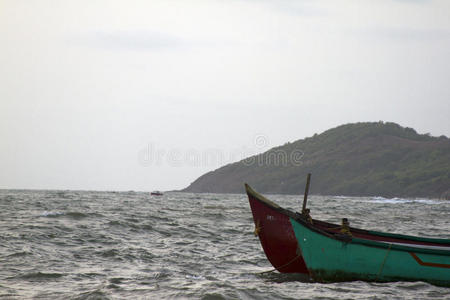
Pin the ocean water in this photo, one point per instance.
(130, 245)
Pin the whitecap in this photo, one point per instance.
(195, 277)
(379, 198)
(51, 213)
(396, 200)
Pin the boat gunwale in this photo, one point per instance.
(403, 247)
(372, 243)
(409, 237)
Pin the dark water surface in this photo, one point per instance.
(108, 245)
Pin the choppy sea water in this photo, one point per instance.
(130, 245)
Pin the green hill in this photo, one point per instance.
(362, 159)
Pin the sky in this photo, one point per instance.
(144, 95)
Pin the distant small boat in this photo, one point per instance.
(156, 193)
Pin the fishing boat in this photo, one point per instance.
(427, 258)
(156, 193)
(377, 256)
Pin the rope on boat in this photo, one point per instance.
(257, 229)
(285, 265)
(384, 260)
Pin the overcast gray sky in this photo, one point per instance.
(142, 95)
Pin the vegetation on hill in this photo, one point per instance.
(361, 159)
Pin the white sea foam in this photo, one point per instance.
(195, 277)
(51, 213)
(396, 200)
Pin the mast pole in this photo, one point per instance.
(305, 198)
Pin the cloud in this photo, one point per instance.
(404, 34)
(414, 1)
(132, 40)
(305, 8)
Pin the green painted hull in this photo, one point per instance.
(333, 258)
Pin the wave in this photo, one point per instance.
(71, 214)
(20, 254)
(221, 207)
(95, 294)
(76, 215)
(195, 277)
(39, 276)
(51, 214)
(395, 200)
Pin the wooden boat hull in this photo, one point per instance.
(275, 232)
(342, 258)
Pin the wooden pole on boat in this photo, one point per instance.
(308, 179)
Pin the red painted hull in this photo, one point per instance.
(277, 237)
